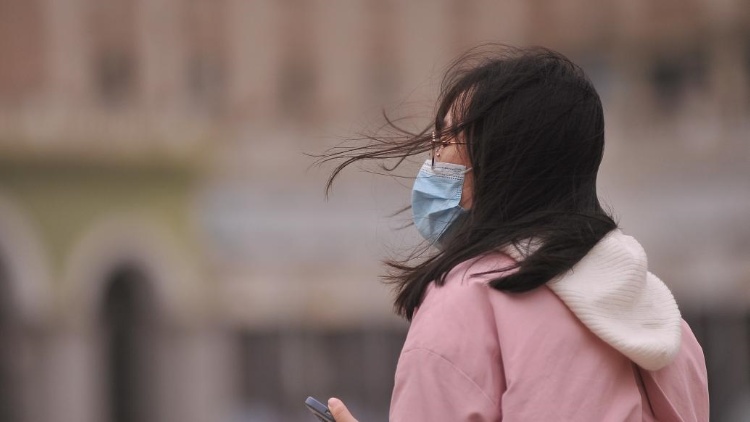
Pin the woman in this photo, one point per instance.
(534, 306)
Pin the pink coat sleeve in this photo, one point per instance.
(449, 368)
(679, 391)
(431, 388)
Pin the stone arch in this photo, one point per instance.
(138, 255)
(139, 241)
(25, 265)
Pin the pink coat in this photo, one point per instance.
(477, 354)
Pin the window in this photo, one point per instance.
(260, 386)
(114, 50)
(297, 80)
(206, 81)
(206, 66)
(724, 334)
(675, 75)
(383, 41)
(115, 76)
(280, 367)
(297, 86)
(128, 319)
(10, 375)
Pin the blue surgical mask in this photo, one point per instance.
(435, 198)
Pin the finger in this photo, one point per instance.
(339, 411)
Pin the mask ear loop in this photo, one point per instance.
(433, 150)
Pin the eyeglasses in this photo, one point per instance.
(437, 144)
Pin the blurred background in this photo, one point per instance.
(166, 249)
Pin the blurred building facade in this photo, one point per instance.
(166, 253)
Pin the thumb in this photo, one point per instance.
(339, 411)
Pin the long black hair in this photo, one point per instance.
(534, 130)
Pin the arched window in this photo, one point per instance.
(9, 355)
(129, 325)
(278, 365)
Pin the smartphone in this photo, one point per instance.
(319, 410)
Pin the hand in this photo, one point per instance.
(339, 411)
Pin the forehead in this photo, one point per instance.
(448, 119)
(457, 106)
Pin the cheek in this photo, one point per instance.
(449, 155)
(455, 156)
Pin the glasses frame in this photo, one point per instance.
(436, 144)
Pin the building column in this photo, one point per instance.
(162, 61)
(68, 51)
(339, 61)
(74, 390)
(253, 61)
